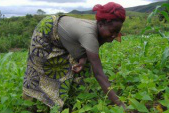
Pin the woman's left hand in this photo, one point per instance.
(79, 67)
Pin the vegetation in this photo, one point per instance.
(1, 16)
(16, 31)
(138, 68)
(134, 69)
(41, 12)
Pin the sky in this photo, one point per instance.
(22, 7)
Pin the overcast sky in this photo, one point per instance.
(22, 7)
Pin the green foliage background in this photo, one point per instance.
(16, 32)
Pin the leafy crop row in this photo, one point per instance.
(134, 70)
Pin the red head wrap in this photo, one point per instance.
(110, 11)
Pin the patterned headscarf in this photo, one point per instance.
(110, 11)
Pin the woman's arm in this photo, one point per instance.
(102, 78)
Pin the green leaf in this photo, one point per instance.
(85, 109)
(165, 56)
(165, 14)
(4, 59)
(146, 29)
(167, 90)
(156, 9)
(165, 102)
(86, 96)
(152, 14)
(3, 99)
(28, 103)
(25, 112)
(65, 110)
(146, 97)
(117, 109)
(54, 109)
(145, 48)
(162, 34)
(166, 6)
(143, 96)
(130, 107)
(7, 111)
(166, 111)
(138, 106)
(77, 105)
(100, 105)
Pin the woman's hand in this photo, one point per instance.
(79, 67)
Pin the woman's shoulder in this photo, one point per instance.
(77, 20)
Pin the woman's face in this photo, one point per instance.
(108, 32)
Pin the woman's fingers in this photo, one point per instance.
(76, 68)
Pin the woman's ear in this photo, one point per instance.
(99, 24)
(119, 37)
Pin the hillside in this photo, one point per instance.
(81, 12)
(143, 9)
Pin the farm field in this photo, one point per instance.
(137, 69)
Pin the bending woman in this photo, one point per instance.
(60, 49)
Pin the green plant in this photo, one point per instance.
(165, 55)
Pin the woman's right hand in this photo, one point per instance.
(77, 68)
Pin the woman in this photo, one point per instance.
(60, 49)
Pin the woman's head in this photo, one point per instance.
(110, 18)
(110, 11)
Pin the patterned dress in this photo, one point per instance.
(48, 76)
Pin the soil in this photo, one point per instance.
(15, 49)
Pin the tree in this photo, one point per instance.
(29, 16)
(3, 16)
(41, 12)
(0, 15)
(60, 13)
